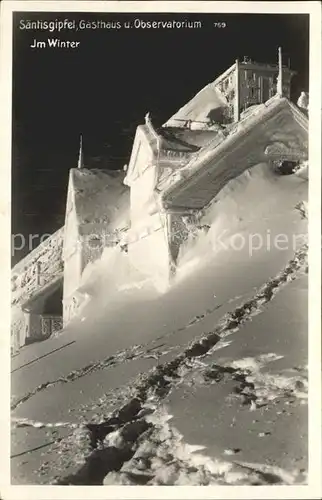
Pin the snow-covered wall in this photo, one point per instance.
(31, 279)
(72, 277)
(18, 328)
(148, 251)
(181, 227)
(143, 195)
(148, 243)
(97, 212)
(71, 253)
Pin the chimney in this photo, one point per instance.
(80, 155)
(280, 73)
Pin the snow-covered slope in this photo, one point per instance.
(247, 217)
(223, 351)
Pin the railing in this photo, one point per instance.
(56, 238)
(39, 268)
(229, 132)
(33, 280)
(175, 157)
(51, 324)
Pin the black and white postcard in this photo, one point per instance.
(161, 236)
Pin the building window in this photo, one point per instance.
(265, 90)
(94, 241)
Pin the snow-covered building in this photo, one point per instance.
(242, 85)
(96, 217)
(243, 118)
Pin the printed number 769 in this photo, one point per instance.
(220, 25)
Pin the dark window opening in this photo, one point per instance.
(286, 167)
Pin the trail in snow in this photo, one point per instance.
(105, 445)
(229, 322)
(163, 458)
(252, 387)
(153, 386)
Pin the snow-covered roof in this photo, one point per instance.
(178, 140)
(100, 197)
(204, 107)
(278, 120)
(183, 139)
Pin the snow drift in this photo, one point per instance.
(255, 214)
(130, 339)
(249, 216)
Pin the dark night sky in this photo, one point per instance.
(104, 88)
